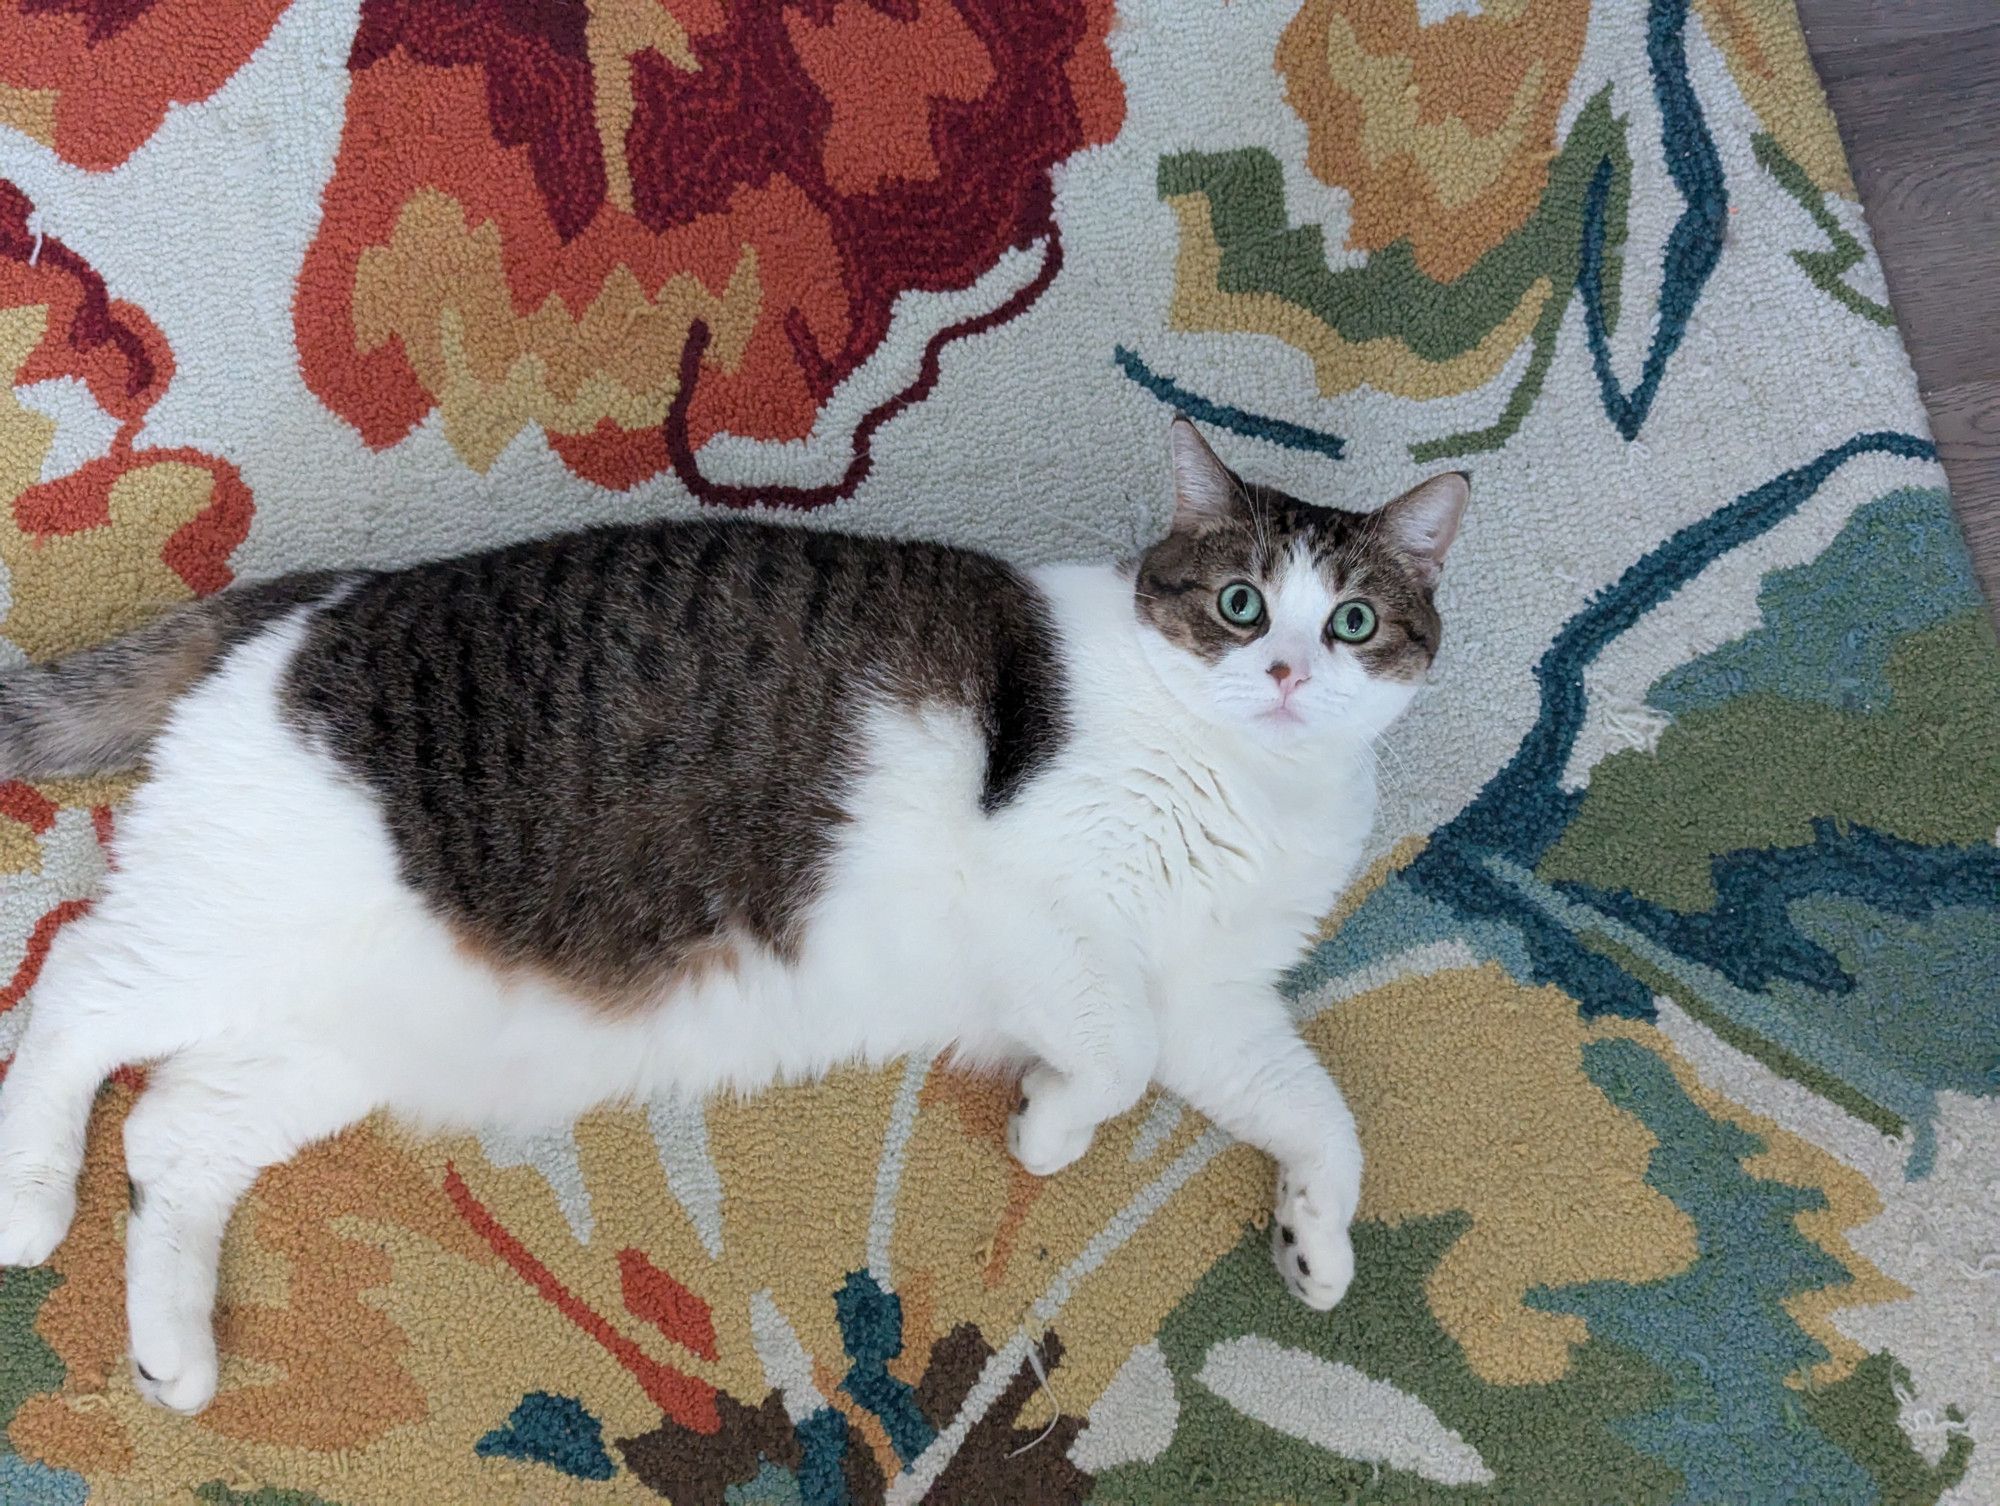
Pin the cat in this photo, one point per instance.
(697, 807)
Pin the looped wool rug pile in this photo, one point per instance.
(1667, 1006)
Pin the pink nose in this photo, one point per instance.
(1281, 673)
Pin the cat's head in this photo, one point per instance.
(1286, 620)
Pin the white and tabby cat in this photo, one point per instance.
(695, 807)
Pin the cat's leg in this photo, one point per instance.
(1096, 1042)
(96, 1007)
(194, 1144)
(1235, 1056)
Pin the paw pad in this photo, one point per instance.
(1310, 1246)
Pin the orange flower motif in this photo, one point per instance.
(641, 226)
(1442, 133)
(94, 552)
(93, 78)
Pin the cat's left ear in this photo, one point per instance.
(1420, 524)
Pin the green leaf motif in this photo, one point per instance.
(1543, 1444)
(1827, 270)
(1388, 296)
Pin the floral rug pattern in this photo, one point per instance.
(1666, 1006)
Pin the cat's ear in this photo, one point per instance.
(1420, 524)
(1205, 490)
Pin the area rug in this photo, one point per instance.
(1667, 1004)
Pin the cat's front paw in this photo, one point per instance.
(174, 1364)
(35, 1213)
(1309, 1243)
(174, 1361)
(1043, 1134)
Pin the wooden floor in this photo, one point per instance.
(1916, 87)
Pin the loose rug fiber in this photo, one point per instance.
(1667, 1006)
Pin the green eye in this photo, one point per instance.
(1240, 603)
(1353, 622)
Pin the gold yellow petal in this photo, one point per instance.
(1339, 365)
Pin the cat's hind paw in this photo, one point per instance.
(1310, 1246)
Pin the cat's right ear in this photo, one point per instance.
(1205, 490)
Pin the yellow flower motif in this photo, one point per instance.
(1539, 1218)
(1442, 133)
(1766, 53)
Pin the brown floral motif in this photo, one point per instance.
(765, 1444)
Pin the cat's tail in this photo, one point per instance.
(99, 710)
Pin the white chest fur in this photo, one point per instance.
(1183, 835)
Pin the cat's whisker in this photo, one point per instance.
(1119, 549)
(1142, 528)
(1394, 757)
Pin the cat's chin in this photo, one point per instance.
(1288, 730)
(1284, 722)
(1292, 735)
